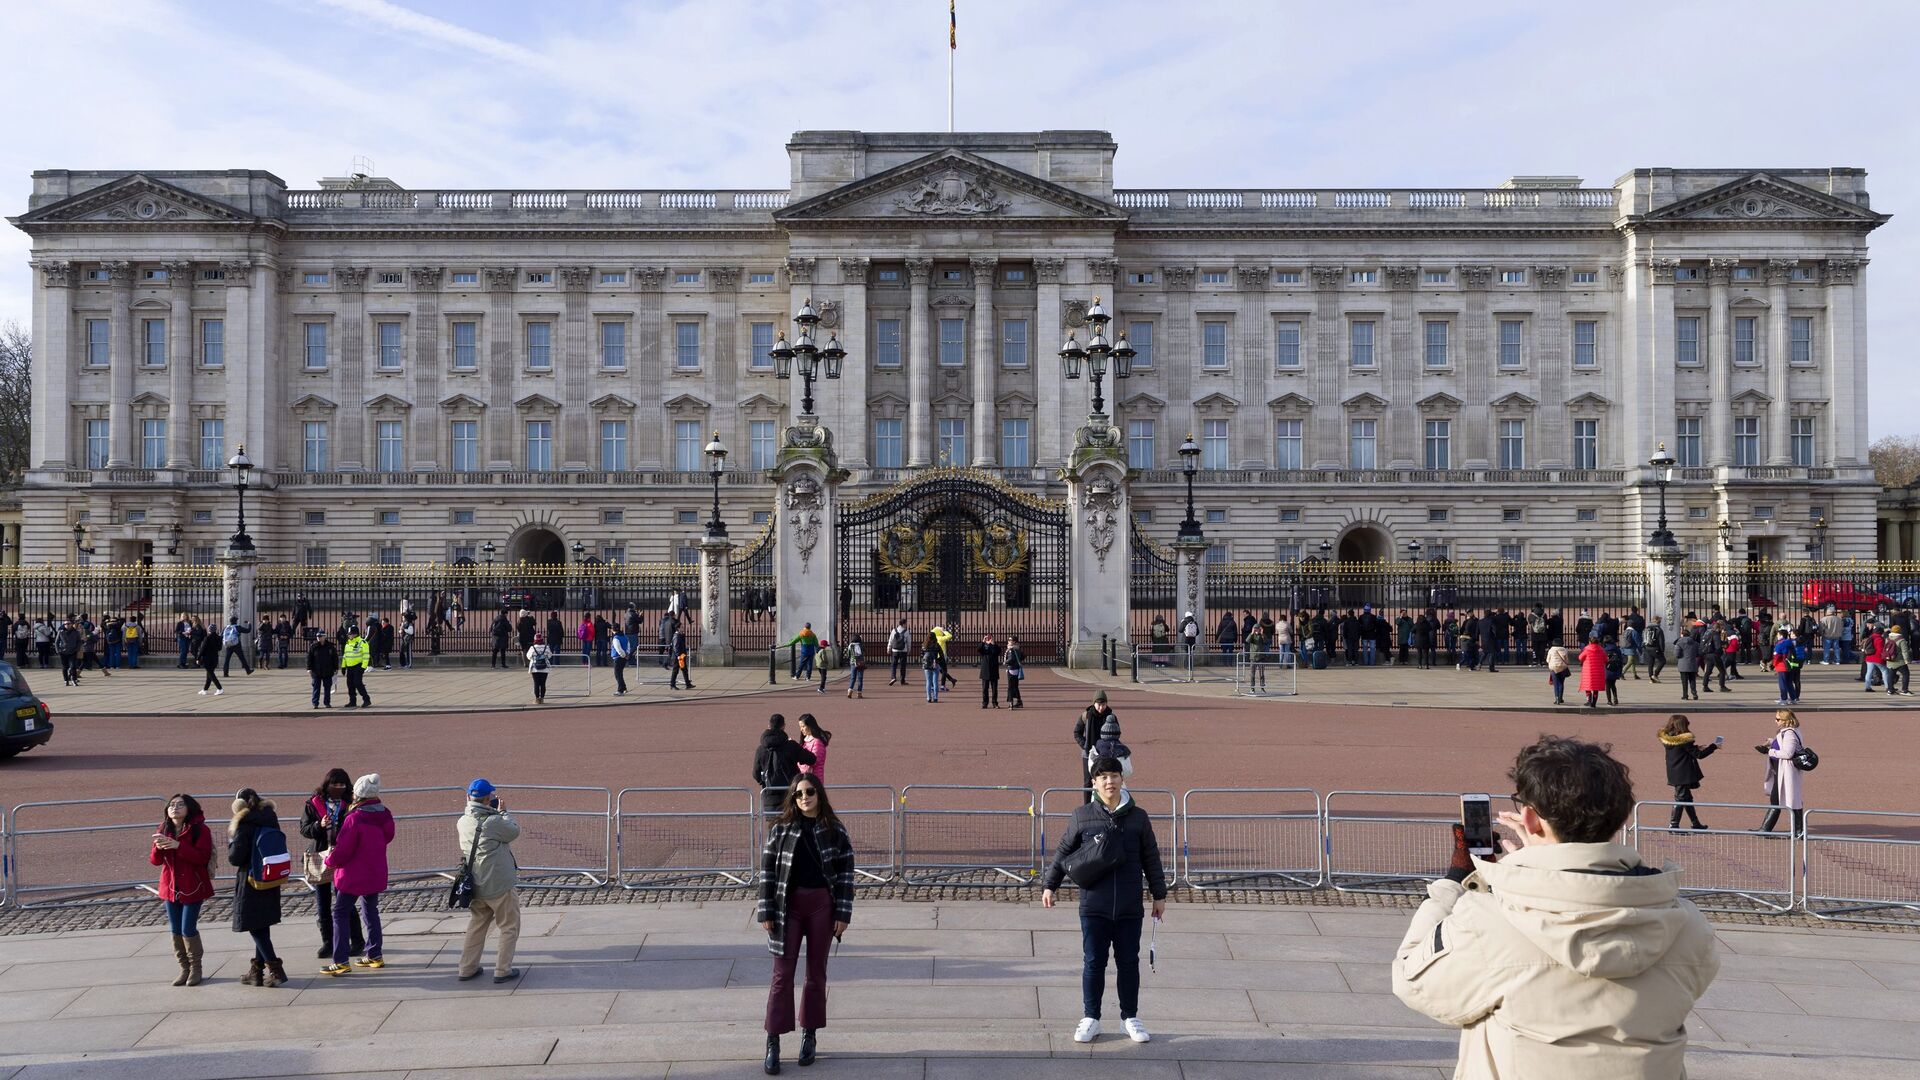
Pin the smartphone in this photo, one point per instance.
(1476, 818)
(1718, 739)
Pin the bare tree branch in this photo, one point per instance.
(16, 400)
(1895, 460)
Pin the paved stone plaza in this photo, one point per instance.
(940, 991)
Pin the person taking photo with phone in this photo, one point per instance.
(1565, 957)
(183, 850)
(1684, 754)
(486, 834)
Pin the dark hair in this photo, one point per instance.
(332, 776)
(790, 811)
(776, 722)
(1676, 725)
(807, 721)
(1103, 765)
(1578, 787)
(193, 811)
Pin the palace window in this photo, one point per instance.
(1746, 440)
(613, 346)
(1213, 445)
(1013, 443)
(539, 445)
(466, 445)
(886, 343)
(763, 447)
(390, 448)
(1289, 449)
(1362, 436)
(1586, 343)
(1213, 346)
(1436, 343)
(540, 346)
(1800, 434)
(1139, 444)
(1439, 444)
(1513, 444)
(1586, 444)
(613, 445)
(1286, 345)
(887, 445)
(1687, 434)
(466, 346)
(388, 334)
(213, 343)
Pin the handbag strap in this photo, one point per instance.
(474, 847)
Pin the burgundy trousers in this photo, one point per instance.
(809, 915)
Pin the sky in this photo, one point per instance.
(1255, 93)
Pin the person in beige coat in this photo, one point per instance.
(1568, 957)
(486, 831)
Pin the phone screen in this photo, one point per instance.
(1476, 818)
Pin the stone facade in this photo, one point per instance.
(418, 373)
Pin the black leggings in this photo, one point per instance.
(1689, 685)
(1683, 803)
(539, 685)
(263, 945)
(213, 679)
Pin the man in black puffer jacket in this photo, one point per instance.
(776, 761)
(1110, 909)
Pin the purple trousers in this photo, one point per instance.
(809, 915)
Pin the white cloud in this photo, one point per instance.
(705, 94)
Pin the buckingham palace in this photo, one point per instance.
(419, 374)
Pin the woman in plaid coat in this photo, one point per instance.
(806, 890)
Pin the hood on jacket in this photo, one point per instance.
(1681, 739)
(1594, 908)
(773, 737)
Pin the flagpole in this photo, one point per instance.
(953, 45)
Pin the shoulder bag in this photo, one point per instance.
(460, 894)
(1097, 858)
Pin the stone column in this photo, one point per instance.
(1779, 448)
(1191, 555)
(180, 365)
(241, 362)
(1100, 557)
(121, 351)
(501, 447)
(1326, 430)
(851, 397)
(52, 432)
(578, 440)
(1663, 587)
(649, 358)
(805, 555)
(985, 335)
(716, 595)
(1908, 533)
(353, 447)
(1889, 538)
(919, 367)
(1048, 435)
(1719, 366)
(237, 569)
(1845, 362)
(428, 432)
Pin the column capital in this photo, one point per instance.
(800, 270)
(426, 277)
(1254, 278)
(179, 273)
(854, 269)
(1177, 277)
(500, 278)
(983, 266)
(1662, 270)
(725, 277)
(919, 269)
(351, 278)
(1476, 277)
(1550, 277)
(119, 272)
(649, 278)
(576, 278)
(1779, 272)
(1841, 271)
(1327, 277)
(1101, 269)
(239, 272)
(1398, 277)
(1047, 270)
(1720, 271)
(55, 274)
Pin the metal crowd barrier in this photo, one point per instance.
(1245, 841)
(1859, 868)
(425, 851)
(1388, 849)
(685, 838)
(968, 835)
(1161, 804)
(1178, 663)
(1275, 674)
(560, 842)
(1727, 868)
(871, 828)
(6, 860)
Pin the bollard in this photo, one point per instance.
(1103, 651)
(772, 666)
(1133, 664)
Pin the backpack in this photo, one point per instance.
(541, 654)
(271, 864)
(230, 636)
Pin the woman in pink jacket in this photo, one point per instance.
(358, 860)
(815, 738)
(1783, 776)
(585, 634)
(1593, 669)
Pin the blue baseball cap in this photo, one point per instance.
(480, 789)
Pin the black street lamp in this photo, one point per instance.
(1097, 353)
(1817, 547)
(1189, 463)
(1413, 550)
(1726, 534)
(173, 538)
(241, 464)
(717, 455)
(1662, 463)
(487, 549)
(80, 538)
(808, 355)
(578, 550)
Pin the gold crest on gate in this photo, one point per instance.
(999, 549)
(905, 551)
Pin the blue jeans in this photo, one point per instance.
(1559, 680)
(1368, 651)
(1098, 937)
(184, 919)
(856, 680)
(112, 658)
(1786, 685)
(806, 661)
(1830, 652)
(933, 683)
(133, 654)
(343, 905)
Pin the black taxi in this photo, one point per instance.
(25, 721)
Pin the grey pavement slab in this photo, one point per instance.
(656, 1070)
(1246, 974)
(77, 1035)
(399, 985)
(865, 1068)
(1736, 967)
(1893, 976)
(1240, 1070)
(580, 949)
(1293, 1007)
(1736, 996)
(753, 942)
(1711, 1063)
(987, 1068)
(643, 919)
(1303, 947)
(743, 1043)
(342, 1021)
(46, 1004)
(153, 971)
(378, 1056)
(1066, 943)
(494, 1013)
(1283, 1045)
(540, 977)
(1223, 1006)
(60, 950)
(125, 998)
(1878, 947)
(743, 1005)
(532, 923)
(1368, 978)
(1864, 1004)
(1809, 1033)
(1390, 924)
(932, 1002)
(842, 970)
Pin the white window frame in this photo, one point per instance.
(537, 338)
(1436, 354)
(1287, 335)
(213, 343)
(950, 445)
(1141, 444)
(689, 445)
(153, 442)
(1586, 443)
(99, 343)
(615, 438)
(1746, 441)
(1213, 345)
(1363, 443)
(1363, 355)
(316, 446)
(213, 443)
(153, 343)
(1437, 443)
(1799, 346)
(1746, 340)
(1511, 435)
(1513, 353)
(313, 336)
(888, 350)
(889, 451)
(389, 356)
(538, 436)
(1686, 349)
(1016, 442)
(950, 352)
(1142, 343)
(763, 444)
(1687, 446)
(464, 451)
(1289, 445)
(98, 439)
(1216, 444)
(1015, 346)
(613, 345)
(686, 345)
(760, 352)
(390, 446)
(472, 348)
(1800, 436)
(1586, 354)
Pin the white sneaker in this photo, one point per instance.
(1088, 1030)
(1136, 1030)
(203, 693)
(217, 693)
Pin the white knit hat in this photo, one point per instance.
(367, 787)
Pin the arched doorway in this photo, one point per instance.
(1365, 544)
(540, 546)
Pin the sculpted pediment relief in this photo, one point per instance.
(1764, 198)
(952, 185)
(135, 200)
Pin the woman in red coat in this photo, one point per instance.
(183, 850)
(1593, 669)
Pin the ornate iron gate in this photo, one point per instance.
(1153, 586)
(750, 576)
(959, 548)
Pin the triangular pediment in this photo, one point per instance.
(1365, 400)
(533, 402)
(685, 402)
(759, 403)
(1589, 401)
(149, 398)
(1763, 198)
(314, 403)
(886, 401)
(1014, 398)
(388, 403)
(950, 186)
(1515, 400)
(1143, 401)
(611, 402)
(1439, 402)
(462, 402)
(136, 200)
(1754, 396)
(1291, 401)
(1216, 401)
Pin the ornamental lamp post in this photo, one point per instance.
(809, 356)
(578, 550)
(173, 538)
(1662, 463)
(241, 465)
(1413, 551)
(1817, 548)
(1189, 463)
(1725, 530)
(1098, 353)
(717, 454)
(487, 549)
(80, 538)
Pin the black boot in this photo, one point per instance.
(806, 1047)
(773, 1055)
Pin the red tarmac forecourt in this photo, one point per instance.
(894, 737)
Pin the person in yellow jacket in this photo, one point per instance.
(944, 637)
(353, 660)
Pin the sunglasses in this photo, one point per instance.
(805, 793)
